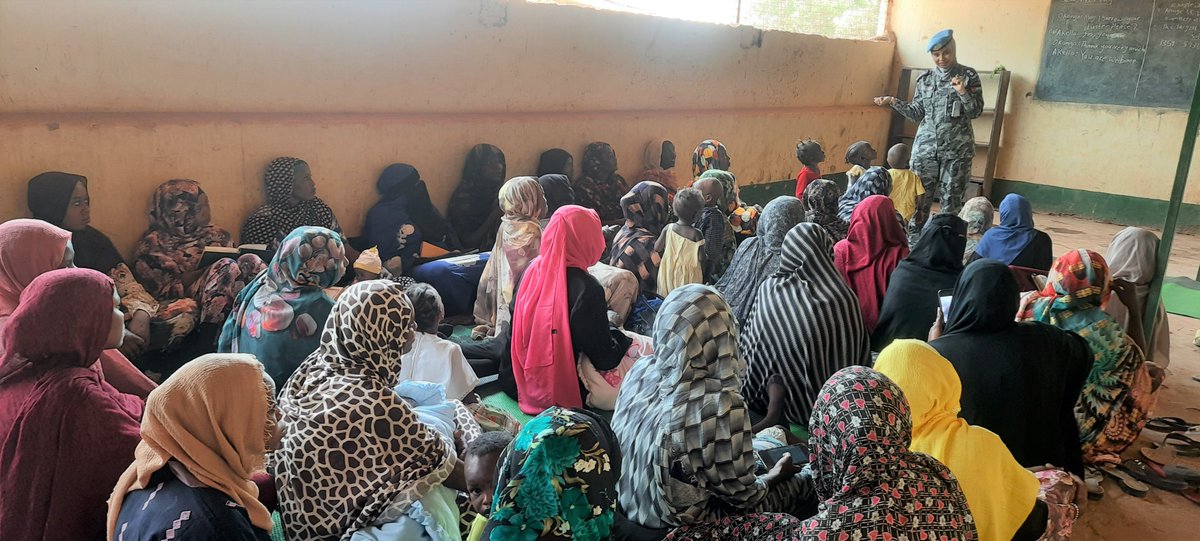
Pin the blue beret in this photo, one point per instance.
(940, 40)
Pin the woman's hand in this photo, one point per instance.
(885, 100)
(1127, 292)
(784, 469)
(137, 335)
(939, 326)
(959, 84)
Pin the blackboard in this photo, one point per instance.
(1143, 53)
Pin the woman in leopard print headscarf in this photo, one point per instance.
(354, 455)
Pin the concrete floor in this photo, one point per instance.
(1161, 514)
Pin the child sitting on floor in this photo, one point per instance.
(479, 471)
(681, 244)
(433, 358)
(810, 154)
(860, 156)
(907, 190)
(714, 225)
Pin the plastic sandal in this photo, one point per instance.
(1092, 478)
(1166, 456)
(1131, 486)
(1140, 471)
(1181, 472)
(1184, 444)
(1169, 424)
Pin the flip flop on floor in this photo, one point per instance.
(1166, 455)
(1140, 471)
(1184, 442)
(1092, 477)
(1168, 424)
(1181, 472)
(1127, 482)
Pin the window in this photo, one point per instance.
(853, 19)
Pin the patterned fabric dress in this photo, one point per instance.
(517, 243)
(821, 208)
(600, 187)
(276, 219)
(1116, 397)
(645, 210)
(876, 181)
(758, 257)
(980, 216)
(743, 218)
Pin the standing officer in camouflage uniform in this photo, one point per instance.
(945, 101)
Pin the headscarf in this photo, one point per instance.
(758, 257)
(683, 408)
(378, 458)
(404, 217)
(517, 243)
(910, 306)
(276, 219)
(980, 216)
(48, 196)
(28, 249)
(1074, 298)
(876, 181)
(175, 241)
(708, 154)
(873, 247)
(806, 325)
(280, 312)
(999, 491)
(213, 416)
(652, 162)
(558, 191)
(1132, 257)
(821, 208)
(543, 359)
(65, 433)
(645, 210)
(553, 161)
(557, 480)
(600, 187)
(743, 218)
(1006, 241)
(475, 199)
(369, 261)
(866, 478)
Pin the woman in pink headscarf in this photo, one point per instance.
(873, 247)
(560, 313)
(29, 248)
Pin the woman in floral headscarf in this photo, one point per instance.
(645, 210)
(600, 187)
(279, 315)
(167, 258)
(711, 160)
(821, 208)
(517, 243)
(291, 202)
(980, 216)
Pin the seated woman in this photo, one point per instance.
(556, 161)
(205, 433)
(645, 210)
(1003, 496)
(997, 359)
(30, 248)
(659, 165)
(1131, 257)
(876, 181)
(62, 199)
(743, 218)
(404, 218)
(383, 467)
(821, 208)
(599, 187)
(517, 243)
(474, 210)
(558, 192)
(279, 315)
(684, 432)
(292, 202)
(559, 314)
(877, 488)
(758, 258)
(1117, 395)
(66, 434)
(874, 246)
(167, 262)
(980, 216)
(910, 305)
(569, 455)
(805, 326)
(432, 358)
(1015, 242)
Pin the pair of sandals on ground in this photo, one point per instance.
(1173, 465)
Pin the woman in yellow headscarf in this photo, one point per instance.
(1007, 501)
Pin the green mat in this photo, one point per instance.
(1181, 296)
(502, 401)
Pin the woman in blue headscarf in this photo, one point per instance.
(403, 218)
(1015, 242)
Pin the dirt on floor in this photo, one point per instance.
(1160, 514)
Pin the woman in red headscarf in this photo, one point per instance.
(873, 247)
(560, 313)
(65, 433)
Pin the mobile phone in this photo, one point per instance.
(772, 456)
(944, 298)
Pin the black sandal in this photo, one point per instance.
(1126, 481)
(1141, 472)
(1168, 424)
(1184, 444)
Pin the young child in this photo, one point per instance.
(479, 471)
(907, 190)
(681, 244)
(368, 266)
(860, 156)
(714, 225)
(432, 358)
(810, 154)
